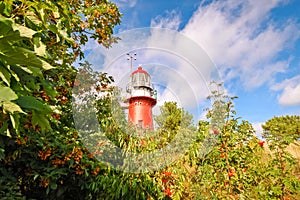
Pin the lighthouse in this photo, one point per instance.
(142, 97)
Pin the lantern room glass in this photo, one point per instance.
(140, 80)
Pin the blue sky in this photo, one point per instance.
(254, 44)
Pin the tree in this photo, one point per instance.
(282, 127)
(173, 120)
(237, 165)
(220, 172)
(40, 152)
(279, 133)
(41, 35)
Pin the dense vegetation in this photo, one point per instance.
(44, 155)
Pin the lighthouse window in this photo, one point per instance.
(141, 79)
(147, 80)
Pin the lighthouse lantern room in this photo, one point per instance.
(142, 97)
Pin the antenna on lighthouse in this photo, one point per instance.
(131, 58)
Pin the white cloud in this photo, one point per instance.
(292, 82)
(190, 69)
(257, 127)
(179, 67)
(171, 21)
(90, 45)
(291, 91)
(290, 96)
(236, 34)
(125, 3)
(242, 40)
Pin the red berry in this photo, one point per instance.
(261, 143)
(164, 180)
(56, 116)
(167, 173)
(230, 174)
(287, 198)
(143, 142)
(168, 192)
(216, 131)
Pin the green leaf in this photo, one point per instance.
(29, 102)
(8, 133)
(25, 57)
(41, 120)
(24, 31)
(46, 66)
(6, 31)
(15, 120)
(49, 89)
(26, 69)
(56, 14)
(14, 31)
(39, 47)
(11, 107)
(4, 9)
(14, 74)
(12, 121)
(7, 94)
(60, 32)
(5, 75)
(124, 189)
(133, 184)
(53, 28)
(65, 35)
(35, 72)
(3, 128)
(42, 15)
(31, 16)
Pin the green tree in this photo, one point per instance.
(220, 172)
(40, 152)
(173, 120)
(237, 165)
(279, 133)
(282, 127)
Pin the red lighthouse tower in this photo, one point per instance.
(142, 99)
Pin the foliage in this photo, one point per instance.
(221, 173)
(44, 155)
(40, 152)
(283, 128)
(39, 35)
(280, 132)
(113, 128)
(238, 167)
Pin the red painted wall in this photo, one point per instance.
(140, 111)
